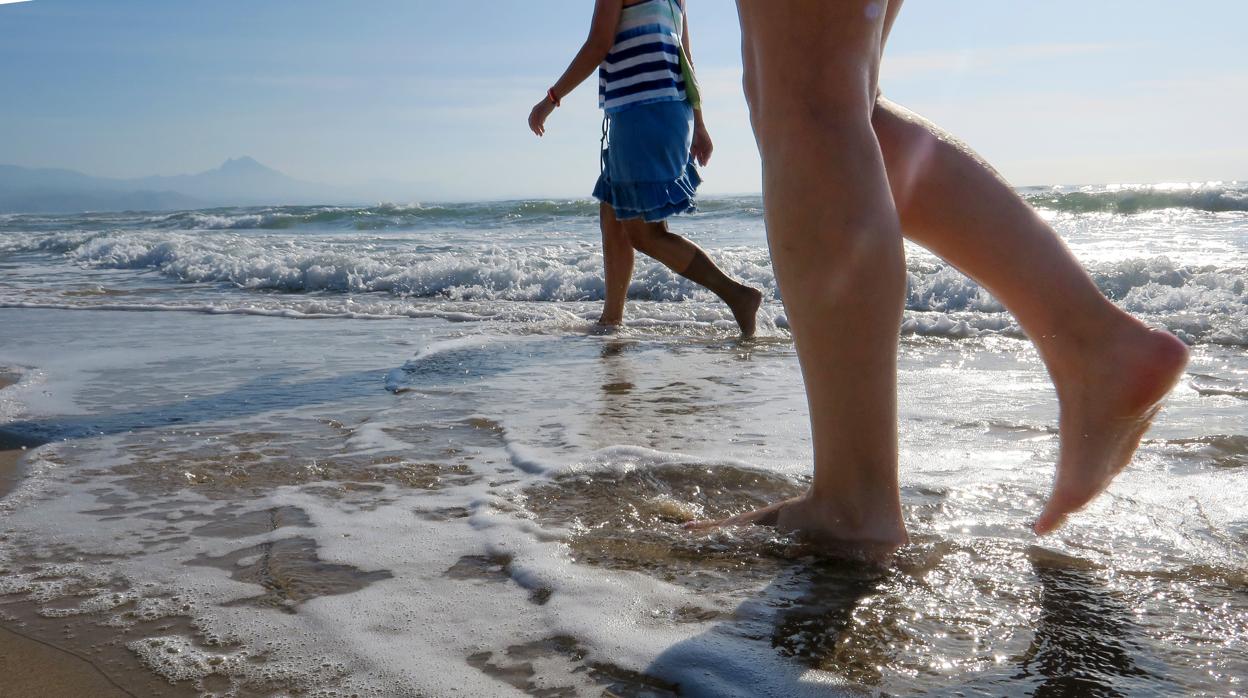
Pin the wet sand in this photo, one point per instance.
(32, 667)
(9, 469)
(10, 453)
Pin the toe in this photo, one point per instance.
(766, 516)
(1060, 505)
(1049, 521)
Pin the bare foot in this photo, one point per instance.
(605, 327)
(745, 310)
(1107, 403)
(874, 536)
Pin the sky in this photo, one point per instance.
(429, 99)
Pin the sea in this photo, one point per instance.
(383, 451)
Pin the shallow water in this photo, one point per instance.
(482, 497)
(502, 513)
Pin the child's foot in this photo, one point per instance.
(1107, 403)
(605, 326)
(745, 310)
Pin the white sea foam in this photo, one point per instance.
(565, 406)
(332, 276)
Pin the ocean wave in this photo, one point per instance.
(396, 216)
(644, 319)
(385, 216)
(381, 217)
(1200, 303)
(1132, 200)
(1211, 198)
(570, 271)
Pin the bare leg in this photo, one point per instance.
(1111, 372)
(687, 259)
(617, 257)
(1109, 369)
(836, 248)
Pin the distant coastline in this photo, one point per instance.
(237, 182)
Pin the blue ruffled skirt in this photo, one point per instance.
(646, 172)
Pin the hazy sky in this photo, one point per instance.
(435, 94)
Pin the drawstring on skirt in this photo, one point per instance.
(602, 145)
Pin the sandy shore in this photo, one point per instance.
(32, 667)
(10, 451)
(10, 470)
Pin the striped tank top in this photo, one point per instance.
(644, 64)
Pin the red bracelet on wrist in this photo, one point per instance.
(550, 94)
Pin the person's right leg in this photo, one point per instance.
(1110, 370)
(617, 259)
(690, 261)
(811, 70)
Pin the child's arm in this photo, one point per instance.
(702, 145)
(593, 51)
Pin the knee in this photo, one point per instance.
(613, 232)
(644, 237)
(811, 95)
(812, 126)
(859, 244)
(849, 270)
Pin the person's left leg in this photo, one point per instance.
(1109, 369)
(687, 259)
(617, 258)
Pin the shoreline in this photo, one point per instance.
(31, 666)
(11, 450)
(35, 668)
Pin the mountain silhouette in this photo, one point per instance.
(238, 181)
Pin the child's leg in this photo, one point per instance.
(687, 259)
(617, 257)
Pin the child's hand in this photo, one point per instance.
(702, 147)
(537, 117)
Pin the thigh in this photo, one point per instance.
(823, 54)
(606, 217)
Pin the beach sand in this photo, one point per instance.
(10, 470)
(31, 667)
(9, 456)
(34, 668)
(10, 453)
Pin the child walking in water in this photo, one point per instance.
(653, 134)
(845, 174)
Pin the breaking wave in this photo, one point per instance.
(1131, 200)
(1200, 303)
(1213, 198)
